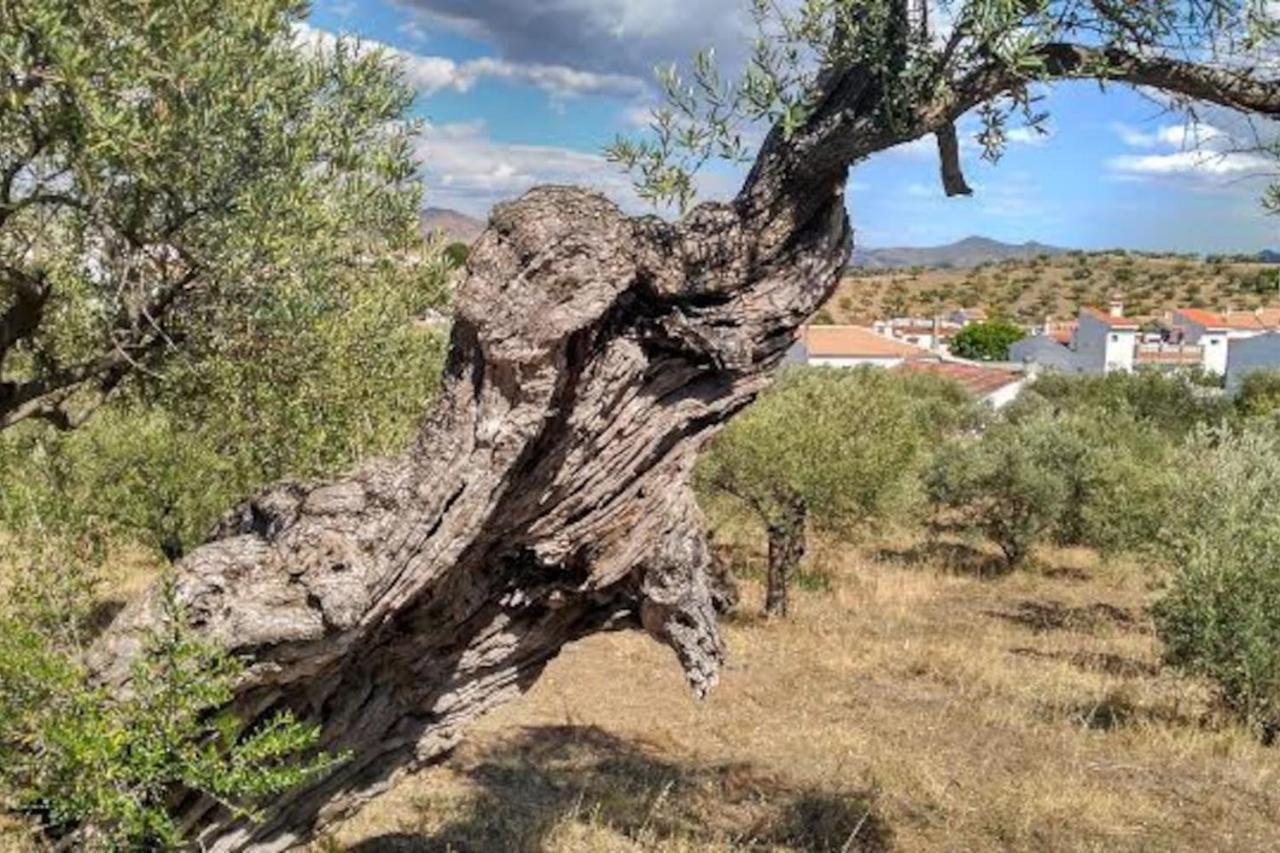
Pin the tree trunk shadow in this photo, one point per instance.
(530, 786)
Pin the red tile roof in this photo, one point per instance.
(855, 342)
(1200, 317)
(1105, 317)
(976, 379)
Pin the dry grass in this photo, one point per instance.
(1030, 290)
(919, 702)
(913, 706)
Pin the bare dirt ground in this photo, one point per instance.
(910, 705)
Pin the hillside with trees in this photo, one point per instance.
(1057, 285)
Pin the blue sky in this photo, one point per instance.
(521, 92)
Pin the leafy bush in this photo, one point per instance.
(320, 381)
(1006, 484)
(1259, 393)
(99, 770)
(829, 447)
(989, 341)
(1175, 404)
(1220, 616)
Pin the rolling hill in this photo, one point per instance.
(969, 252)
(454, 225)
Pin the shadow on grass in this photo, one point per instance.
(1110, 664)
(1043, 616)
(553, 780)
(954, 557)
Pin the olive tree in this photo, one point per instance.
(825, 447)
(1006, 484)
(547, 496)
(1220, 614)
(165, 166)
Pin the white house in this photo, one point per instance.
(1106, 340)
(932, 334)
(991, 385)
(1258, 352)
(1209, 331)
(852, 346)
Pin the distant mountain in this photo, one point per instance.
(454, 225)
(968, 252)
(1269, 256)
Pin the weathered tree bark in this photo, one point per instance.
(786, 550)
(547, 496)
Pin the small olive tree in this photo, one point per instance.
(1259, 393)
(1006, 483)
(827, 447)
(98, 770)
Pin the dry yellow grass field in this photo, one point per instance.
(912, 705)
(1030, 290)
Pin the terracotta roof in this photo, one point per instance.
(1260, 320)
(975, 378)
(1105, 317)
(1200, 317)
(855, 342)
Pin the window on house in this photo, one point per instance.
(1115, 339)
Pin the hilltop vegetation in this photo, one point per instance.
(1028, 290)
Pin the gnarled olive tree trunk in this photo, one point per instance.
(547, 495)
(545, 499)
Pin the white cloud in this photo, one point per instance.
(1206, 163)
(1189, 150)
(1184, 135)
(412, 29)
(1027, 136)
(465, 169)
(432, 74)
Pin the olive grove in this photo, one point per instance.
(547, 496)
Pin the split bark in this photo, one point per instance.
(546, 498)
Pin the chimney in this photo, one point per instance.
(1048, 325)
(1117, 306)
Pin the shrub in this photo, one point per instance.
(1005, 484)
(1259, 393)
(1220, 616)
(98, 770)
(988, 341)
(829, 447)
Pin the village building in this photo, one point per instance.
(1107, 341)
(852, 346)
(997, 387)
(1245, 356)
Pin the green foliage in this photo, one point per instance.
(1005, 484)
(842, 444)
(1220, 616)
(909, 66)
(456, 253)
(104, 766)
(989, 341)
(312, 387)
(168, 164)
(1259, 393)
(1175, 404)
